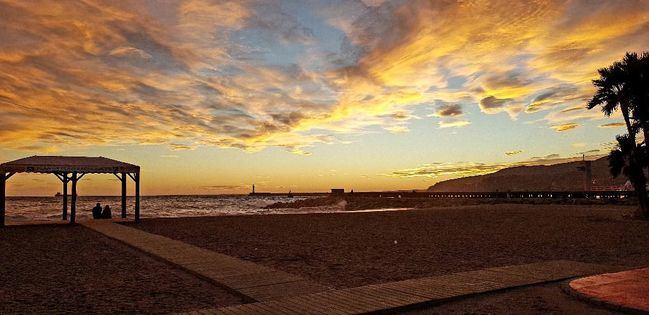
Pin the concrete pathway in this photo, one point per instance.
(413, 292)
(247, 279)
(624, 291)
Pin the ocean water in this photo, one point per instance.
(50, 208)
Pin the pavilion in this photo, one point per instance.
(71, 169)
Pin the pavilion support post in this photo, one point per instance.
(65, 196)
(137, 197)
(73, 204)
(123, 195)
(3, 181)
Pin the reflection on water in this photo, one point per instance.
(49, 208)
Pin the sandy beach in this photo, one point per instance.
(72, 269)
(63, 269)
(353, 249)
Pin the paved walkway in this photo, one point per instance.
(625, 291)
(250, 280)
(408, 293)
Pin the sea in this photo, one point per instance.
(22, 209)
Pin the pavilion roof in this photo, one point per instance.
(67, 164)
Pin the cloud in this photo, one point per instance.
(555, 96)
(491, 104)
(402, 115)
(258, 74)
(514, 152)
(449, 110)
(181, 147)
(453, 123)
(224, 188)
(565, 127)
(129, 52)
(464, 169)
(550, 157)
(451, 115)
(269, 17)
(612, 125)
(449, 169)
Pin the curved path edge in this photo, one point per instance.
(625, 291)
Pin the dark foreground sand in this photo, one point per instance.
(62, 269)
(353, 249)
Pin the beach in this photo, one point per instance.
(354, 249)
(64, 269)
(74, 269)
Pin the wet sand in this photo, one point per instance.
(62, 269)
(353, 249)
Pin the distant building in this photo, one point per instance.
(587, 168)
(255, 193)
(337, 191)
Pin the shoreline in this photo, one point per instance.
(324, 206)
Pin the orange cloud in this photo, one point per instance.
(612, 125)
(514, 152)
(249, 75)
(565, 127)
(464, 169)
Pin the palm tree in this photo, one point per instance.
(636, 88)
(628, 159)
(625, 86)
(612, 93)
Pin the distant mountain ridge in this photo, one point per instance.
(557, 177)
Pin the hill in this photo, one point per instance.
(557, 177)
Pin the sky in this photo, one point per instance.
(210, 97)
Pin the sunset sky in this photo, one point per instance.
(210, 97)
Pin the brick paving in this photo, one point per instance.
(624, 291)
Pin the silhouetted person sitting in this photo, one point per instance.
(106, 214)
(96, 211)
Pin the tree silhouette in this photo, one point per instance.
(612, 93)
(636, 80)
(628, 159)
(625, 86)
